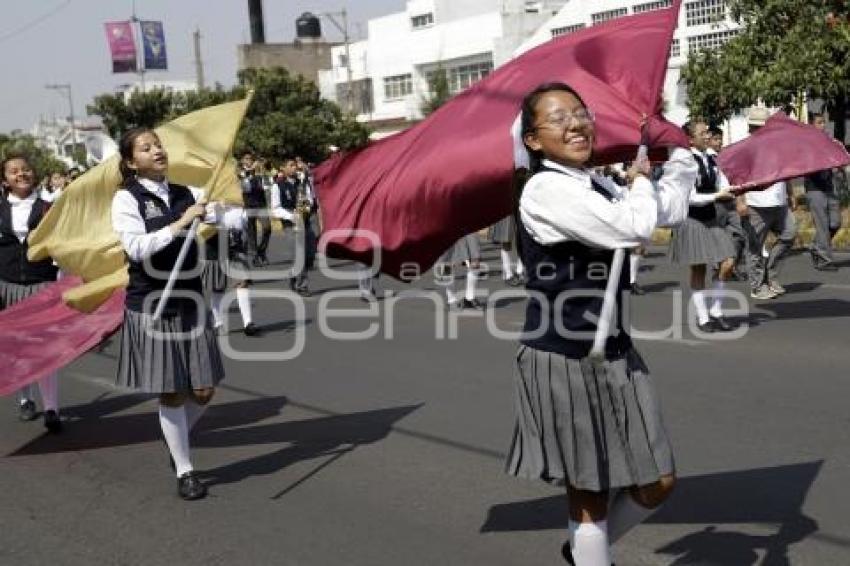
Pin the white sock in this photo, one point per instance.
(699, 303)
(194, 411)
(520, 268)
(717, 301)
(634, 264)
(470, 284)
(26, 393)
(175, 429)
(49, 388)
(243, 298)
(215, 308)
(589, 543)
(451, 294)
(506, 264)
(624, 514)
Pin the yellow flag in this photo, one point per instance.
(77, 231)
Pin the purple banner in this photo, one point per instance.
(153, 42)
(122, 46)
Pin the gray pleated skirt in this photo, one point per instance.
(11, 293)
(700, 243)
(465, 249)
(213, 276)
(596, 430)
(502, 232)
(162, 361)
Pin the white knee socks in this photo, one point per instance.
(471, 278)
(699, 304)
(634, 265)
(717, 301)
(49, 388)
(589, 543)
(175, 429)
(507, 270)
(520, 268)
(215, 307)
(244, 300)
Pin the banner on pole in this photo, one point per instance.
(121, 46)
(153, 42)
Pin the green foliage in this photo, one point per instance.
(41, 160)
(286, 117)
(439, 94)
(786, 48)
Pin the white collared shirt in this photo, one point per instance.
(703, 199)
(775, 195)
(21, 210)
(562, 206)
(130, 226)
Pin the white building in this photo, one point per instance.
(703, 24)
(61, 140)
(390, 71)
(127, 89)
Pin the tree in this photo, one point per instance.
(438, 91)
(41, 160)
(287, 115)
(787, 49)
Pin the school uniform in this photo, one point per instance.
(21, 278)
(701, 239)
(826, 215)
(727, 212)
(468, 248)
(769, 212)
(502, 232)
(287, 202)
(188, 358)
(595, 426)
(256, 204)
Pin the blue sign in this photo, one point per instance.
(153, 43)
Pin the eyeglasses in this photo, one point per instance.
(561, 120)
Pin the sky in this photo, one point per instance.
(63, 41)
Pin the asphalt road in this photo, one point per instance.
(389, 450)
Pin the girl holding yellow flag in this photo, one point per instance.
(175, 356)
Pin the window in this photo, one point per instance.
(422, 21)
(464, 76)
(650, 6)
(398, 86)
(567, 29)
(676, 48)
(710, 40)
(600, 17)
(705, 12)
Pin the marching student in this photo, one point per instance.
(502, 233)
(700, 240)
(54, 189)
(465, 251)
(611, 451)
(21, 210)
(294, 196)
(176, 357)
(727, 213)
(256, 206)
(824, 207)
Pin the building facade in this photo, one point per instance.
(391, 74)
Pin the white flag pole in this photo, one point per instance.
(597, 352)
(178, 265)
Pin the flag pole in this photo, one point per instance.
(178, 265)
(612, 287)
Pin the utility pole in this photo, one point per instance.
(67, 88)
(140, 50)
(344, 30)
(199, 65)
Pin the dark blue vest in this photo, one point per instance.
(14, 265)
(156, 215)
(706, 184)
(569, 267)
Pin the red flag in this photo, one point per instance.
(43, 324)
(420, 190)
(781, 149)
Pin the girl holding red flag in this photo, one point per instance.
(177, 356)
(595, 426)
(21, 210)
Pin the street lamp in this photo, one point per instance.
(67, 88)
(344, 30)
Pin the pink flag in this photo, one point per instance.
(781, 149)
(122, 46)
(44, 324)
(412, 195)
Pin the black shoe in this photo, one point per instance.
(256, 262)
(292, 283)
(514, 281)
(638, 290)
(304, 292)
(473, 304)
(720, 323)
(567, 553)
(826, 266)
(189, 487)
(250, 329)
(263, 259)
(52, 422)
(28, 412)
(708, 327)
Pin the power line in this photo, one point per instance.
(34, 22)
